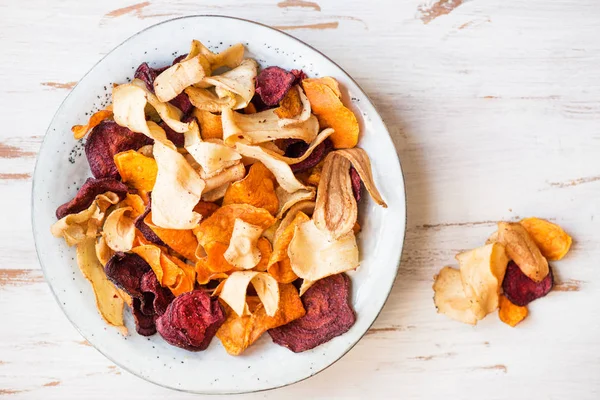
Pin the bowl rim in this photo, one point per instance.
(360, 89)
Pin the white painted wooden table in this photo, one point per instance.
(494, 108)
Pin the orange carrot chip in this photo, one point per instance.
(332, 113)
(137, 170)
(510, 313)
(290, 106)
(279, 263)
(170, 271)
(552, 240)
(79, 131)
(210, 124)
(256, 189)
(183, 241)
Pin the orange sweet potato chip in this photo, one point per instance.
(182, 241)
(290, 106)
(170, 271)
(238, 333)
(135, 202)
(328, 81)
(219, 226)
(137, 170)
(210, 124)
(332, 113)
(256, 189)
(279, 264)
(552, 240)
(79, 131)
(206, 209)
(510, 313)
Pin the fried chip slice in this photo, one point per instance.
(211, 156)
(238, 333)
(183, 241)
(482, 271)
(243, 249)
(233, 291)
(552, 240)
(137, 170)
(109, 299)
(239, 81)
(279, 264)
(256, 189)
(103, 252)
(332, 113)
(327, 81)
(315, 255)
(210, 124)
(75, 228)
(205, 209)
(521, 248)
(79, 131)
(205, 99)
(170, 271)
(219, 226)
(179, 76)
(450, 298)
(511, 314)
(291, 105)
(288, 200)
(119, 229)
(223, 178)
(230, 57)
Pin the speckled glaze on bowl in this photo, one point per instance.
(62, 167)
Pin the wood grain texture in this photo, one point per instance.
(493, 108)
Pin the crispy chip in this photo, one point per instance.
(307, 207)
(137, 170)
(109, 300)
(210, 124)
(294, 113)
(176, 78)
(256, 189)
(250, 109)
(330, 110)
(450, 298)
(219, 226)
(206, 209)
(119, 229)
(291, 105)
(279, 263)
(243, 249)
(522, 249)
(238, 333)
(233, 291)
(511, 314)
(327, 81)
(288, 200)
(103, 252)
(552, 240)
(170, 271)
(239, 81)
(138, 207)
(204, 99)
(223, 178)
(212, 157)
(183, 241)
(230, 57)
(79, 131)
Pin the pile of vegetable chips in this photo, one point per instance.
(223, 203)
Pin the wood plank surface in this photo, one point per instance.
(494, 109)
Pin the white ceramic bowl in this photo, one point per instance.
(62, 168)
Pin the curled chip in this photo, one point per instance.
(210, 124)
(137, 170)
(238, 333)
(146, 231)
(521, 248)
(256, 189)
(243, 251)
(511, 314)
(126, 270)
(273, 83)
(107, 139)
(219, 226)
(520, 289)
(155, 298)
(239, 81)
(450, 298)
(119, 229)
(206, 209)
(290, 106)
(233, 291)
(332, 113)
(191, 321)
(88, 192)
(552, 240)
(182, 241)
(144, 324)
(356, 183)
(315, 157)
(288, 200)
(79, 131)
(147, 74)
(279, 264)
(329, 314)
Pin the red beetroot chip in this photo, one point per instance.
(145, 229)
(177, 138)
(106, 140)
(182, 101)
(148, 75)
(126, 270)
(328, 314)
(356, 184)
(299, 75)
(88, 192)
(144, 324)
(298, 149)
(191, 320)
(520, 289)
(155, 298)
(273, 83)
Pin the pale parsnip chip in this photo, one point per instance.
(109, 299)
(206, 100)
(304, 114)
(449, 296)
(225, 177)
(103, 252)
(75, 228)
(287, 200)
(230, 57)
(324, 134)
(212, 157)
(307, 207)
(361, 163)
(239, 81)
(522, 249)
(283, 173)
(170, 114)
(119, 229)
(177, 190)
(176, 78)
(233, 291)
(264, 127)
(482, 271)
(315, 255)
(243, 249)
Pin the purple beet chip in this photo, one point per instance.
(177, 138)
(155, 298)
(106, 140)
(299, 76)
(356, 184)
(126, 270)
(88, 192)
(328, 314)
(144, 324)
(145, 229)
(522, 290)
(273, 83)
(318, 153)
(146, 74)
(191, 320)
